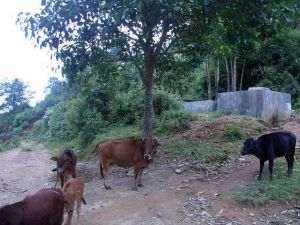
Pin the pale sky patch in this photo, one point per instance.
(18, 57)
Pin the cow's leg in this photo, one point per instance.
(74, 173)
(57, 178)
(78, 208)
(136, 173)
(261, 167)
(105, 173)
(139, 178)
(271, 168)
(70, 215)
(62, 179)
(290, 161)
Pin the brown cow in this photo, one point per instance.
(66, 165)
(127, 152)
(73, 191)
(45, 207)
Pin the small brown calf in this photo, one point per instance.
(73, 191)
(66, 165)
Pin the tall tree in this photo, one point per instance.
(91, 32)
(14, 94)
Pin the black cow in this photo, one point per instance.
(271, 146)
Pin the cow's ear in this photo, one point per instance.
(54, 158)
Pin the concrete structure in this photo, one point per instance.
(259, 102)
(199, 106)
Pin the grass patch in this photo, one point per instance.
(212, 116)
(202, 151)
(27, 149)
(233, 133)
(8, 145)
(282, 189)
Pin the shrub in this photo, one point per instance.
(164, 101)
(233, 133)
(173, 121)
(127, 108)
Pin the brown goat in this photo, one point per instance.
(73, 191)
(66, 165)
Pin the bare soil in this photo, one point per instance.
(192, 195)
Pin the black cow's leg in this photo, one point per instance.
(271, 169)
(260, 169)
(136, 173)
(139, 178)
(290, 160)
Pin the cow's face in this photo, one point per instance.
(248, 146)
(150, 145)
(62, 162)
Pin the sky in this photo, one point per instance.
(18, 57)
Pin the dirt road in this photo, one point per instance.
(191, 196)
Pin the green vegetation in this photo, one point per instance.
(173, 121)
(233, 133)
(282, 189)
(206, 152)
(27, 149)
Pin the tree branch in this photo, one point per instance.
(163, 37)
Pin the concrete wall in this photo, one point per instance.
(259, 102)
(199, 106)
(262, 103)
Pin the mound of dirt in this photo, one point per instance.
(214, 130)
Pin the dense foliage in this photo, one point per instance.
(126, 60)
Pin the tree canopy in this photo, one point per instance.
(96, 33)
(14, 95)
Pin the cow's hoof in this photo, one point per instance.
(134, 188)
(140, 185)
(259, 178)
(107, 187)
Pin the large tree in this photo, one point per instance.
(95, 32)
(14, 94)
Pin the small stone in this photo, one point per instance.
(251, 214)
(178, 170)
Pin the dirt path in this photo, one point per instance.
(192, 196)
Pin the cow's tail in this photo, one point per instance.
(83, 200)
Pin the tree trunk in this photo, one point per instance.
(227, 75)
(209, 95)
(242, 75)
(234, 73)
(217, 79)
(148, 101)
